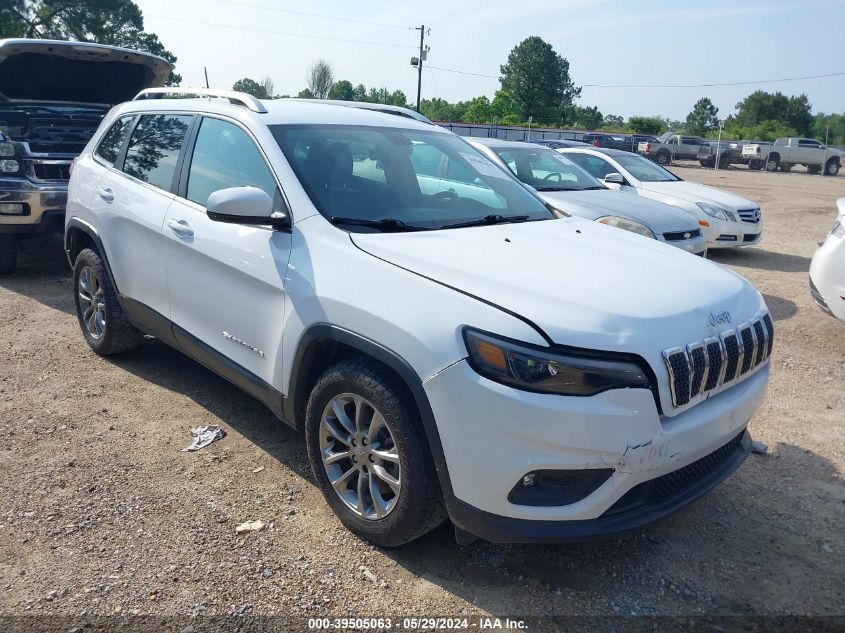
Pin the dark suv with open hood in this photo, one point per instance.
(53, 95)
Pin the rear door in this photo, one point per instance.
(132, 198)
(226, 281)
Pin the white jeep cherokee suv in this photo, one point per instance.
(448, 347)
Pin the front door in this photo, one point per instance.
(226, 281)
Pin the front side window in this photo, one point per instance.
(225, 156)
(547, 170)
(593, 165)
(421, 178)
(109, 147)
(154, 148)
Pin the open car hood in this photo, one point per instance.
(75, 72)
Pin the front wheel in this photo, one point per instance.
(8, 253)
(772, 164)
(369, 456)
(832, 167)
(663, 158)
(104, 325)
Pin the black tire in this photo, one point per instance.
(773, 163)
(419, 505)
(785, 167)
(755, 164)
(832, 167)
(117, 334)
(8, 253)
(663, 157)
(814, 169)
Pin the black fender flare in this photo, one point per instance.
(389, 358)
(75, 224)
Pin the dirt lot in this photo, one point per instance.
(100, 513)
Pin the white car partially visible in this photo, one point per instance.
(827, 270)
(726, 219)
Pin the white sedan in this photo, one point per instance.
(827, 270)
(725, 219)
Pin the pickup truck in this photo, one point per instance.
(672, 147)
(788, 152)
(728, 152)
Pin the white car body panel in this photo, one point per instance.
(827, 269)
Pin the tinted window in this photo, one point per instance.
(808, 143)
(225, 156)
(112, 141)
(374, 173)
(596, 167)
(643, 169)
(154, 148)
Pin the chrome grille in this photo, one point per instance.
(752, 216)
(703, 366)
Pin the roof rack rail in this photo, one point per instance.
(238, 98)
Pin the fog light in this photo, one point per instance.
(9, 166)
(7, 149)
(557, 487)
(11, 208)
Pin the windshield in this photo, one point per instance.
(546, 169)
(645, 170)
(378, 178)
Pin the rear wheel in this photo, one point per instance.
(755, 164)
(785, 167)
(814, 169)
(8, 253)
(832, 167)
(663, 158)
(369, 456)
(104, 325)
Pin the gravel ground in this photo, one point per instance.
(100, 513)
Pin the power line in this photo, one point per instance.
(709, 85)
(314, 15)
(303, 35)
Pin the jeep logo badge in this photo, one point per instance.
(717, 318)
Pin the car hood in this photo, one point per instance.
(582, 283)
(693, 192)
(659, 217)
(75, 72)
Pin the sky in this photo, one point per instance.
(607, 42)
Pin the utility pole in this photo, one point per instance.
(419, 61)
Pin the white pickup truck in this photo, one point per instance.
(788, 152)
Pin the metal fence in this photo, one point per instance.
(512, 133)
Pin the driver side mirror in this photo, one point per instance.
(244, 205)
(614, 178)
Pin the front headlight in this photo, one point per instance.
(531, 368)
(626, 224)
(9, 166)
(717, 212)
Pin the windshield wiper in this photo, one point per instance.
(557, 189)
(592, 188)
(493, 218)
(384, 224)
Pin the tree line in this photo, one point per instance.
(535, 82)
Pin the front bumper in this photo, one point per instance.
(827, 277)
(493, 435)
(696, 245)
(44, 206)
(721, 234)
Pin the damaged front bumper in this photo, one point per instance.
(494, 436)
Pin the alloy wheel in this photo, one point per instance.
(360, 456)
(92, 305)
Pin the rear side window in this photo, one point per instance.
(109, 147)
(225, 156)
(154, 148)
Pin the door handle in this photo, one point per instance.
(106, 194)
(180, 227)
